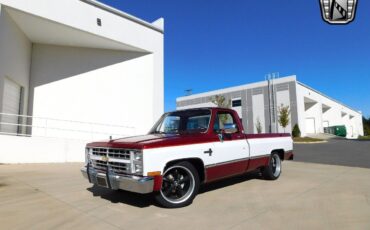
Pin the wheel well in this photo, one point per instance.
(280, 152)
(196, 162)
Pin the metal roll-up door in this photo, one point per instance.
(11, 105)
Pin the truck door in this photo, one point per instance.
(230, 153)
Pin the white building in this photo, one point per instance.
(76, 70)
(258, 103)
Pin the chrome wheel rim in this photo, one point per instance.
(275, 165)
(178, 184)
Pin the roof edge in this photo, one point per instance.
(123, 14)
(236, 88)
(330, 98)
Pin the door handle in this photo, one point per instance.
(208, 152)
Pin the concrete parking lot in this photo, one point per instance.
(307, 196)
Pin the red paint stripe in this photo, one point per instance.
(288, 155)
(226, 170)
(258, 162)
(157, 183)
(266, 135)
(222, 171)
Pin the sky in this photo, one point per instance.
(213, 44)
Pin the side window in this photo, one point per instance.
(223, 118)
(198, 123)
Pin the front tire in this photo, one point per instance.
(179, 187)
(273, 170)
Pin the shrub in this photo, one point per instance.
(259, 126)
(296, 131)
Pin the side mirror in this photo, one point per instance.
(230, 128)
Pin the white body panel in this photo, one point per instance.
(228, 151)
(264, 146)
(157, 158)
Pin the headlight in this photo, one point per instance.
(138, 168)
(138, 156)
(136, 161)
(87, 155)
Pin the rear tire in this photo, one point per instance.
(179, 187)
(273, 170)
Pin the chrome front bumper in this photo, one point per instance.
(128, 183)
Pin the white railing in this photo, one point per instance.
(23, 125)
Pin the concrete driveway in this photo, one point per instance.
(307, 196)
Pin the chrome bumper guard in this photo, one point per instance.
(136, 184)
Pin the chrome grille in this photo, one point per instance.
(99, 165)
(99, 151)
(115, 157)
(119, 153)
(114, 153)
(119, 167)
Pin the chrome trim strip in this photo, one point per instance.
(260, 156)
(226, 162)
(237, 160)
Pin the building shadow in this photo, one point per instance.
(146, 200)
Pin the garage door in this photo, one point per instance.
(310, 125)
(11, 104)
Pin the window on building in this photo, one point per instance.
(237, 103)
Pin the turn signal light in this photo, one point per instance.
(156, 173)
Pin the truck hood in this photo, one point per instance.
(153, 141)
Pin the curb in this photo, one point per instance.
(312, 142)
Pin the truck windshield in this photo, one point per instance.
(190, 121)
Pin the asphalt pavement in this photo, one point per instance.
(354, 153)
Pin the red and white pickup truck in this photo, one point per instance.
(183, 150)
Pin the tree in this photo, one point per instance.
(284, 113)
(366, 124)
(258, 126)
(296, 131)
(220, 101)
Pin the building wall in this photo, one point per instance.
(92, 85)
(333, 116)
(15, 54)
(110, 74)
(78, 14)
(305, 104)
(116, 29)
(41, 150)
(255, 103)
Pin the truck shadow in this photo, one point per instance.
(146, 200)
(229, 182)
(120, 196)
